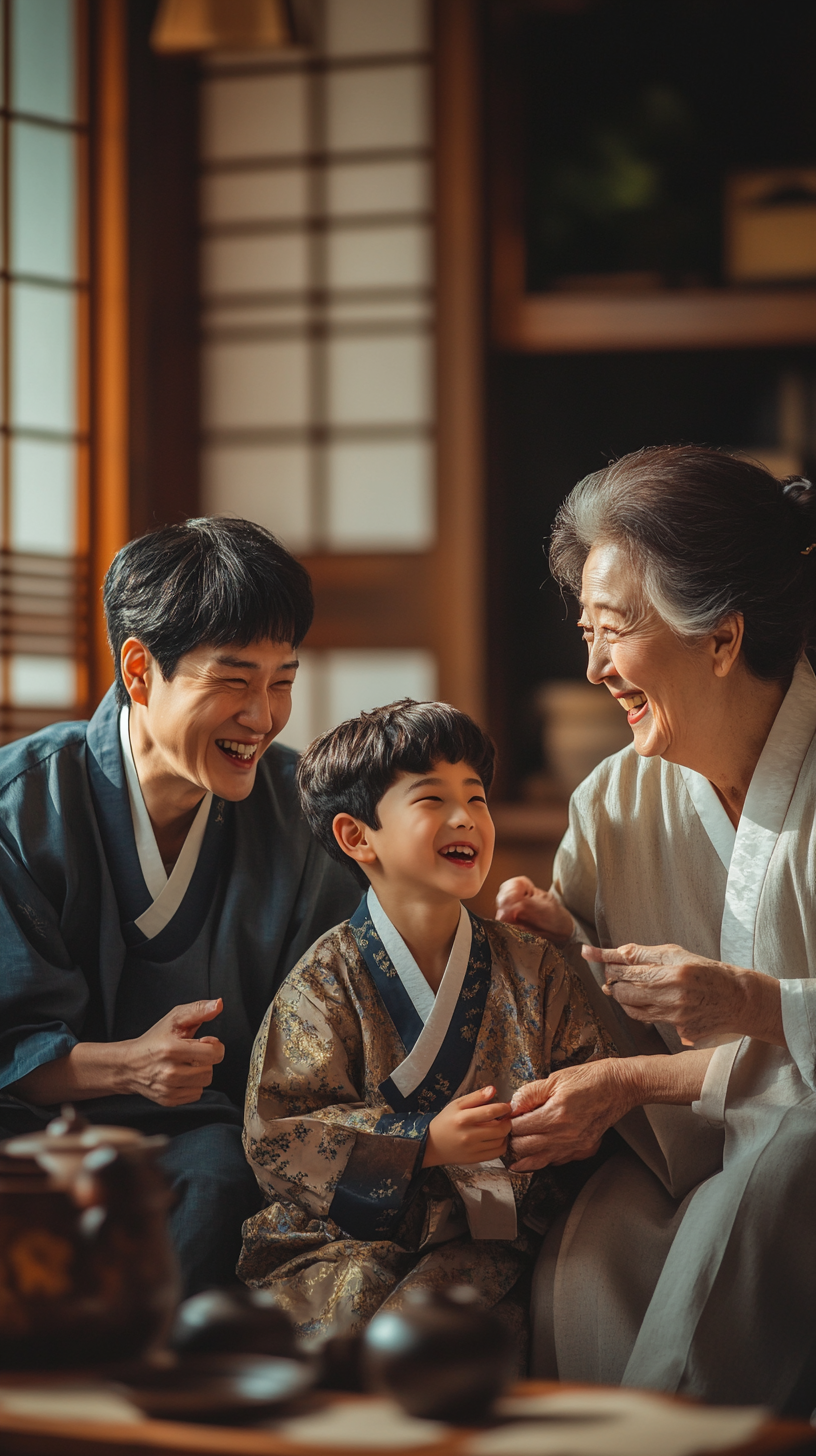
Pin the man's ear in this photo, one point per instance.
(352, 836)
(726, 641)
(136, 663)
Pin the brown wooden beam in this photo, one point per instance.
(458, 602)
(376, 601)
(109, 329)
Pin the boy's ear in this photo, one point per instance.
(352, 836)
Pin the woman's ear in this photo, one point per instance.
(352, 836)
(136, 663)
(726, 642)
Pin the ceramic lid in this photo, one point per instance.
(67, 1140)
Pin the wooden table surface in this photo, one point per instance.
(29, 1436)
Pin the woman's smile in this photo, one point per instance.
(635, 704)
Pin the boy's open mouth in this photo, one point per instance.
(238, 752)
(462, 854)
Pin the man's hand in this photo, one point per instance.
(701, 997)
(471, 1129)
(520, 903)
(165, 1064)
(168, 1063)
(563, 1118)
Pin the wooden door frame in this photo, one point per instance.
(109, 472)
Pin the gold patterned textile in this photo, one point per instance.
(317, 1124)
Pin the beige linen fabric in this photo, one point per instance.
(635, 1290)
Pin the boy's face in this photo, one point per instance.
(437, 835)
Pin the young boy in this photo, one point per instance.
(377, 1112)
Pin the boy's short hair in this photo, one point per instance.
(350, 768)
(215, 580)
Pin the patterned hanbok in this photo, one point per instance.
(354, 1058)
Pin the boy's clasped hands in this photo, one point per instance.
(471, 1129)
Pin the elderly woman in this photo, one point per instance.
(686, 889)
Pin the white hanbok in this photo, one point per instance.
(691, 1266)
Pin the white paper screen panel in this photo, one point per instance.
(378, 108)
(376, 27)
(265, 483)
(317, 283)
(43, 201)
(372, 187)
(379, 492)
(43, 504)
(255, 116)
(42, 574)
(333, 686)
(42, 682)
(43, 63)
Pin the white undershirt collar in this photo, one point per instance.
(167, 892)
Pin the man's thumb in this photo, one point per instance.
(187, 1019)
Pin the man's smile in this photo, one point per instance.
(236, 751)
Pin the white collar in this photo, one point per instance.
(435, 1011)
(711, 811)
(486, 1189)
(763, 814)
(167, 892)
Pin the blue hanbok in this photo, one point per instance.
(98, 943)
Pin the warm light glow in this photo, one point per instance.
(217, 25)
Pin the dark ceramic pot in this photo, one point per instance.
(87, 1271)
(233, 1321)
(442, 1356)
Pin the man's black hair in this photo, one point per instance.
(212, 580)
(350, 768)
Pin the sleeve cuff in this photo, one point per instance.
(799, 1025)
(33, 1050)
(380, 1179)
(711, 1104)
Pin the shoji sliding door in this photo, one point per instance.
(318, 319)
(44, 354)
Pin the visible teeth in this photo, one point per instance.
(460, 849)
(632, 701)
(243, 750)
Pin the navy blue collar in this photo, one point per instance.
(453, 1059)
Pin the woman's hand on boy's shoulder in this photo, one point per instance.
(471, 1129)
(519, 902)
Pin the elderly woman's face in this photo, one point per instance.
(661, 683)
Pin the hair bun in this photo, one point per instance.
(799, 494)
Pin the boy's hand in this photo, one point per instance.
(471, 1129)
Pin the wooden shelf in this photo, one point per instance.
(705, 318)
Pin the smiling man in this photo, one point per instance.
(157, 876)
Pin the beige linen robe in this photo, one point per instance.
(685, 1277)
(352, 1221)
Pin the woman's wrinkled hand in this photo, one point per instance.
(563, 1118)
(701, 997)
(520, 903)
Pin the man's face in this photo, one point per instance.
(214, 719)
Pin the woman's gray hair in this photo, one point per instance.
(710, 534)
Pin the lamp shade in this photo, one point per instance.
(218, 25)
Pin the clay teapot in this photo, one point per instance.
(441, 1356)
(87, 1271)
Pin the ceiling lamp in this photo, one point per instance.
(223, 25)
